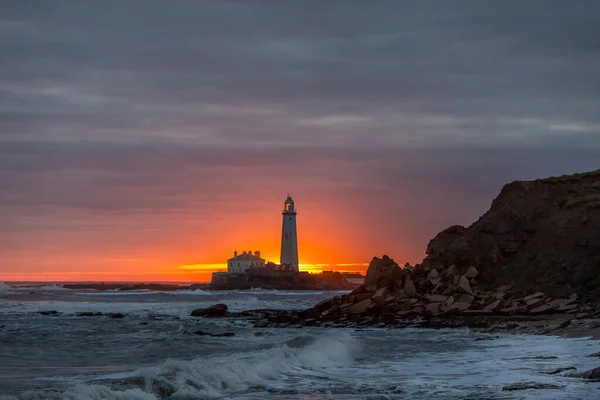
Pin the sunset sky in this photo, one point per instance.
(148, 140)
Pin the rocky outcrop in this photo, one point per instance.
(428, 292)
(405, 296)
(542, 234)
(218, 310)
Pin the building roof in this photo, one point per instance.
(246, 257)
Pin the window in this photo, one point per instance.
(287, 206)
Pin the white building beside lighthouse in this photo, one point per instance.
(240, 263)
(289, 237)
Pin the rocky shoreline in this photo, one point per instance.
(425, 297)
(430, 296)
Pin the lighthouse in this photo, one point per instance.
(289, 238)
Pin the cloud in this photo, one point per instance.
(156, 108)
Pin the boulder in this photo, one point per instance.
(557, 303)
(409, 288)
(533, 296)
(433, 308)
(399, 284)
(380, 296)
(534, 302)
(363, 296)
(438, 298)
(218, 310)
(433, 274)
(332, 310)
(449, 290)
(359, 289)
(324, 305)
(392, 308)
(492, 306)
(381, 271)
(400, 294)
(471, 273)
(465, 298)
(460, 306)
(361, 307)
(591, 374)
(569, 307)
(464, 285)
(451, 271)
(540, 309)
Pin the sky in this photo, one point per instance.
(148, 140)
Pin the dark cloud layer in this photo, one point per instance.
(174, 107)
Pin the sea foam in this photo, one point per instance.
(236, 373)
(220, 376)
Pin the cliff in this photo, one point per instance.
(537, 235)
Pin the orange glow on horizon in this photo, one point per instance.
(184, 273)
(314, 268)
(189, 247)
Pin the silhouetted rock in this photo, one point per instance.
(115, 315)
(218, 310)
(381, 271)
(48, 312)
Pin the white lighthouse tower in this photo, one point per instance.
(289, 238)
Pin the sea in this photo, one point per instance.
(154, 353)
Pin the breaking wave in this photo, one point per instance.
(51, 288)
(5, 288)
(267, 370)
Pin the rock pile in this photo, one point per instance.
(394, 294)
